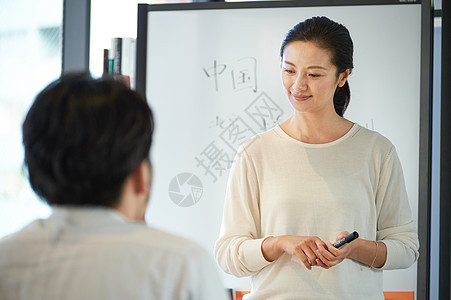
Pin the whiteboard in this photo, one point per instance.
(213, 81)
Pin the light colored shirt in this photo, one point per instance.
(94, 253)
(281, 186)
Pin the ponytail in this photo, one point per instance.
(342, 97)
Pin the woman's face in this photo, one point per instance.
(309, 77)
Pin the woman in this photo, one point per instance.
(313, 179)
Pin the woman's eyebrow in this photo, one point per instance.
(309, 67)
(317, 67)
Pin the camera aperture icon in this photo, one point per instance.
(185, 189)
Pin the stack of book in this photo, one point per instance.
(120, 60)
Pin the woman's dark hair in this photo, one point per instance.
(83, 137)
(333, 37)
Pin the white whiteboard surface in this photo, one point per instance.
(213, 81)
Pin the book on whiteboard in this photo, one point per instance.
(106, 61)
(127, 59)
(122, 59)
(116, 55)
(133, 64)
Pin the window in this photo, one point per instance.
(30, 58)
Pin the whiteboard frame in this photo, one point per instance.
(425, 143)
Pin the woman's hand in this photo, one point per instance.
(329, 256)
(312, 251)
(304, 247)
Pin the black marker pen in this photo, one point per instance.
(346, 239)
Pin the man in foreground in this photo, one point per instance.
(87, 145)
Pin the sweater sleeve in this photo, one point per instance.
(238, 249)
(395, 226)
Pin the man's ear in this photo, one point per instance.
(343, 77)
(142, 177)
(136, 191)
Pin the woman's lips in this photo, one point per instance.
(300, 97)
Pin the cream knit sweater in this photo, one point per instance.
(280, 186)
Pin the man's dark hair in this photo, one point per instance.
(83, 137)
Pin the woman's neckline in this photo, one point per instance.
(350, 132)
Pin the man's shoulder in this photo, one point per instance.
(135, 236)
(159, 239)
(29, 230)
